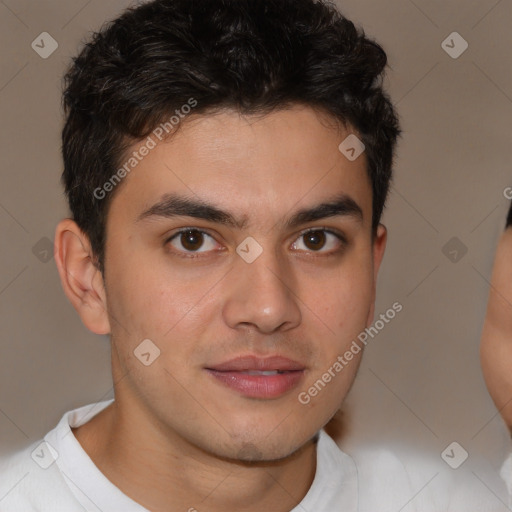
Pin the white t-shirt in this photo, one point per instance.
(56, 475)
(506, 475)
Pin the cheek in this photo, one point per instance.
(343, 301)
(171, 312)
(149, 296)
(140, 301)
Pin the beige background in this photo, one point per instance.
(420, 386)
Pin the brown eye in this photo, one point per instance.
(322, 241)
(314, 240)
(192, 240)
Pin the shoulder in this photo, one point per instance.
(31, 481)
(380, 479)
(390, 481)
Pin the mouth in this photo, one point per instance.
(254, 377)
(268, 372)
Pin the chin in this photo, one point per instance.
(265, 445)
(258, 452)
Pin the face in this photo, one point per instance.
(496, 343)
(242, 249)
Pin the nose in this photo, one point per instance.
(261, 296)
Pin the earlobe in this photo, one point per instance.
(378, 249)
(379, 246)
(81, 279)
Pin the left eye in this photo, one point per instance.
(192, 240)
(316, 240)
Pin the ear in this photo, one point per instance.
(81, 280)
(378, 248)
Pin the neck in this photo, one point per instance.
(162, 471)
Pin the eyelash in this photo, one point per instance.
(191, 255)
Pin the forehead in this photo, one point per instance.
(260, 166)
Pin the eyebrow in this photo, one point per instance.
(172, 205)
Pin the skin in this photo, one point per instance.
(172, 425)
(496, 342)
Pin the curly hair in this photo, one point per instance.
(252, 56)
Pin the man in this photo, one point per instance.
(226, 163)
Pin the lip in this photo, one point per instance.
(245, 374)
(254, 363)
